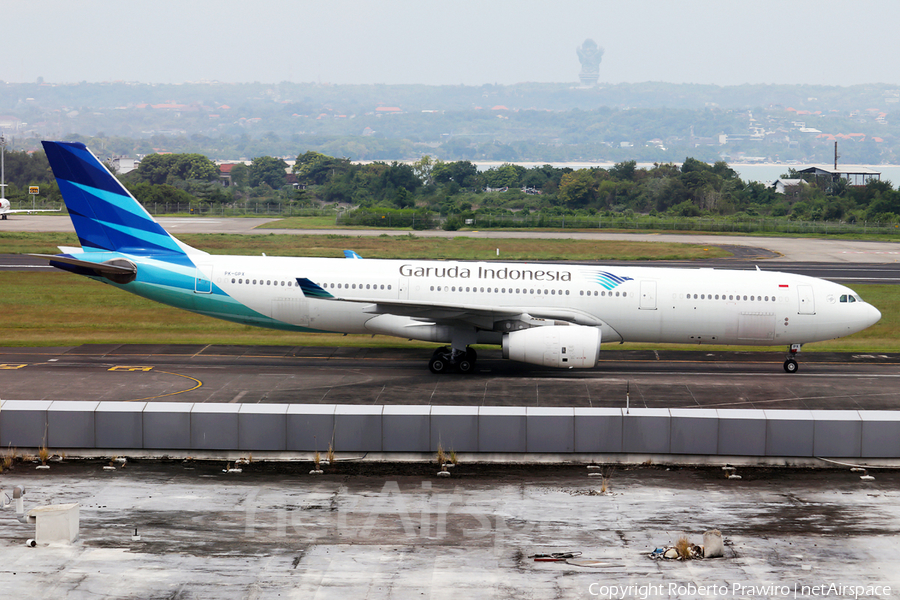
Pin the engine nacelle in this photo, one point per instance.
(554, 346)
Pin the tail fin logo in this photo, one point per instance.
(105, 215)
(609, 280)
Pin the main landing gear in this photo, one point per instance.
(790, 365)
(446, 359)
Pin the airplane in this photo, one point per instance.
(552, 315)
(5, 209)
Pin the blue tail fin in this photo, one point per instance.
(105, 215)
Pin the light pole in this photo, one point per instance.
(2, 167)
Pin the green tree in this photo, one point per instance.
(577, 189)
(463, 173)
(171, 168)
(422, 169)
(268, 170)
(624, 170)
(240, 175)
(315, 168)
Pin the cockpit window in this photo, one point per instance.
(851, 298)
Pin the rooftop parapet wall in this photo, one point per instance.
(117, 426)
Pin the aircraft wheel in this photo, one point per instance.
(4, 217)
(438, 364)
(790, 366)
(465, 366)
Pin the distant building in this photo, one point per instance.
(225, 174)
(124, 164)
(856, 176)
(9, 123)
(789, 187)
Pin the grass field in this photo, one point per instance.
(403, 246)
(60, 309)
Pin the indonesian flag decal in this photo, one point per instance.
(781, 285)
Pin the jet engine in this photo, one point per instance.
(573, 346)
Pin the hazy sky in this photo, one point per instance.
(468, 42)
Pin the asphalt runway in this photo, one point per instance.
(379, 376)
(777, 249)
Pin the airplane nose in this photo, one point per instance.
(873, 316)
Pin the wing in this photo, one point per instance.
(444, 313)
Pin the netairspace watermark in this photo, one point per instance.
(647, 591)
(411, 513)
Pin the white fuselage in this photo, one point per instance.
(633, 304)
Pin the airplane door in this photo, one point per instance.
(806, 299)
(403, 288)
(202, 283)
(648, 295)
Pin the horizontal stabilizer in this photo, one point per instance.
(351, 254)
(121, 268)
(117, 270)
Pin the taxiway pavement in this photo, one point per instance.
(347, 375)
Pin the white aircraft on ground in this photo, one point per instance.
(6, 210)
(544, 314)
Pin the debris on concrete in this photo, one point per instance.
(712, 544)
(555, 556)
(690, 551)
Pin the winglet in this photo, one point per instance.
(351, 254)
(312, 290)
